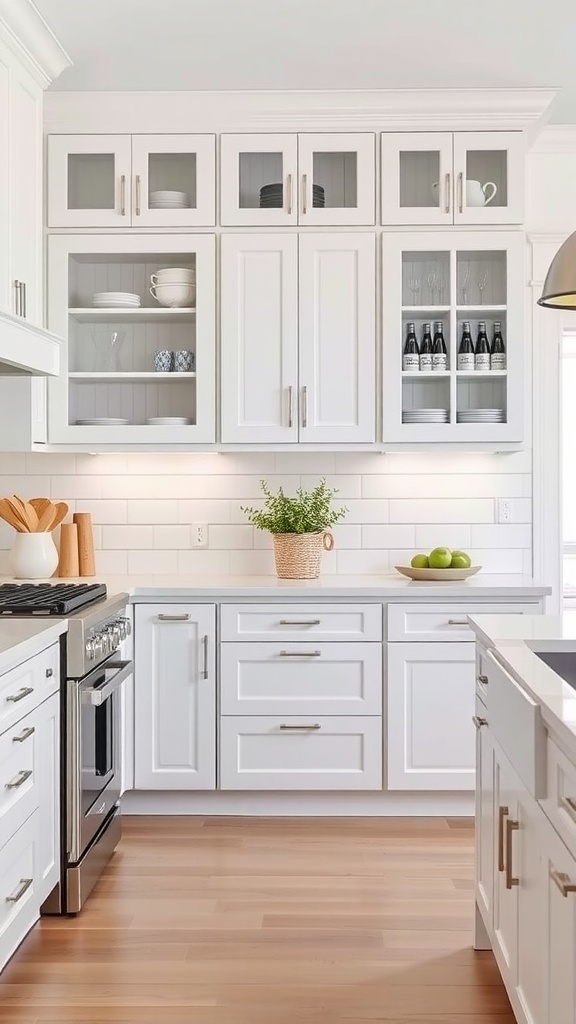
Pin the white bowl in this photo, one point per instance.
(175, 275)
(174, 295)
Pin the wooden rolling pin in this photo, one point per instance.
(86, 562)
(68, 563)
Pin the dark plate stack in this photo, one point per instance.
(272, 196)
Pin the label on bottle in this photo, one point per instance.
(410, 361)
(498, 361)
(465, 360)
(482, 361)
(425, 360)
(439, 361)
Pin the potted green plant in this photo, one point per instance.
(299, 528)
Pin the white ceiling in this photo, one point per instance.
(318, 44)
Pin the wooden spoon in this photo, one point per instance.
(40, 505)
(19, 513)
(30, 514)
(62, 510)
(10, 517)
(46, 520)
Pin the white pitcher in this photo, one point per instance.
(476, 192)
(34, 556)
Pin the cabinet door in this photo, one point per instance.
(526, 855)
(89, 181)
(558, 941)
(336, 179)
(417, 178)
(259, 325)
(484, 834)
(7, 294)
(49, 810)
(175, 697)
(173, 180)
(489, 172)
(258, 179)
(505, 889)
(430, 693)
(26, 195)
(337, 337)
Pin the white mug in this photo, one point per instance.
(476, 192)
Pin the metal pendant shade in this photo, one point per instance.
(559, 291)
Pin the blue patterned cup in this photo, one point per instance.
(184, 361)
(163, 360)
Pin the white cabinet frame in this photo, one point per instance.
(59, 149)
(204, 213)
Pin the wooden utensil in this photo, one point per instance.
(40, 504)
(46, 520)
(62, 510)
(10, 517)
(68, 562)
(30, 514)
(86, 560)
(18, 513)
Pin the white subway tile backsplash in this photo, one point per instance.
(13, 463)
(25, 486)
(502, 535)
(352, 563)
(153, 512)
(252, 563)
(59, 464)
(451, 535)
(170, 538)
(388, 536)
(155, 562)
(128, 537)
(522, 510)
(204, 511)
(365, 510)
(108, 512)
(503, 560)
(229, 538)
(347, 535)
(440, 510)
(443, 485)
(62, 488)
(111, 563)
(318, 463)
(202, 562)
(346, 486)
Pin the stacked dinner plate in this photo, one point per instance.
(272, 196)
(425, 416)
(168, 199)
(481, 416)
(118, 300)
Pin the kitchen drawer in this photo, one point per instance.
(19, 774)
(300, 679)
(301, 622)
(560, 800)
(300, 753)
(27, 685)
(481, 672)
(19, 902)
(425, 622)
(516, 722)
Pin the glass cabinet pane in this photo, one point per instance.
(419, 178)
(481, 278)
(335, 183)
(91, 181)
(426, 279)
(172, 181)
(486, 177)
(260, 181)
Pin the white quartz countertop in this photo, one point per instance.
(21, 639)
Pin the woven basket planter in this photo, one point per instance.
(298, 555)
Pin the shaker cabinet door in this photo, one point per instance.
(89, 181)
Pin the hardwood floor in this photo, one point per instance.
(267, 921)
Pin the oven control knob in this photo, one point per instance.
(121, 627)
(90, 650)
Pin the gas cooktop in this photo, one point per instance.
(48, 598)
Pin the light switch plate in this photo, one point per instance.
(504, 510)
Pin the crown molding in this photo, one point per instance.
(556, 138)
(27, 34)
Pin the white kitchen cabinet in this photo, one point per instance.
(430, 701)
(342, 623)
(321, 179)
(175, 697)
(19, 890)
(453, 178)
(505, 919)
(48, 873)
(558, 941)
(108, 373)
(450, 278)
(111, 180)
(314, 382)
(484, 813)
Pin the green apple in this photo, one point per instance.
(460, 560)
(440, 558)
(420, 562)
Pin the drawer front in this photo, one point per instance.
(19, 903)
(481, 672)
(24, 687)
(560, 800)
(19, 774)
(300, 679)
(303, 753)
(425, 622)
(301, 622)
(515, 720)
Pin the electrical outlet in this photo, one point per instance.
(504, 510)
(199, 535)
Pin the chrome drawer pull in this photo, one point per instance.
(479, 722)
(24, 735)
(300, 654)
(563, 882)
(24, 692)
(286, 728)
(511, 826)
(299, 622)
(19, 780)
(25, 884)
(123, 195)
(458, 622)
(502, 812)
(482, 679)
(205, 656)
(175, 618)
(569, 805)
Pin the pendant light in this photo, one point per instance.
(559, 291)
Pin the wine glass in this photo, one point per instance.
(465, 280)
(415, 289)
(482, 282)
(107, 345)
(433, 282)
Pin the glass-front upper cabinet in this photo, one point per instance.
(131, 181)
(297, 179)
(452, 178)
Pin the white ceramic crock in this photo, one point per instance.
(34, 556)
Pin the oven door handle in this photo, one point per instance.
(96, 695)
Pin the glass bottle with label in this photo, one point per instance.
(439, 351)
(482, 350)
(466, 349)
(411, 356)
(426, 348)
(498, 349)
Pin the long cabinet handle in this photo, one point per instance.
(290, 406)
(300, 654)
(299, 622)
(138, 198)
(123, 195)
(479, 722)
(304, 406)
(502, 813)
(174, 618)
(511, 826)
(17, 298)
(447, 192)
(24, 735)
(563, 882)
(460, 192)
(205, 656)
(24, 298)
(19, 780)
(25, 884)
(24, 692)
(569, 805)
(458, 622)
(304, 196)
(289, 194)
(288, 728)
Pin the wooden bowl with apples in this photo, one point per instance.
(441, 564)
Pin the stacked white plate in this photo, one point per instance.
(481, 416)
(425, 416)
(118, 300)
(169, 421)
(168, 199)
(103, 421)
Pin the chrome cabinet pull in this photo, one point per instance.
(304, 406)
(24, 298)
(174, 618)
(569, 805)
(290, 406)
(25, 884)
(287, 728)
(122, 195)
(24, 735)
(479, 722)
(460, 192)
(511, 826)
(502, 812)
(24, 692)
(49, 673)
(300, 654)
(289, 194)
(447, 192)
(17, 298)
(304, 197)
(205, 656)
(19, 780)
(299, 622)
(562, 880)
(458, 622)
(482, 679)
(138, 208)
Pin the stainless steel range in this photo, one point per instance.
(93, 672)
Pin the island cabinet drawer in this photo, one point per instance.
(24, 687)
(19, 774)
(560, 800)
(517, 725)
(307, 752)
(337, 622)
(425, 622)
(301, 679)
(19, 899)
